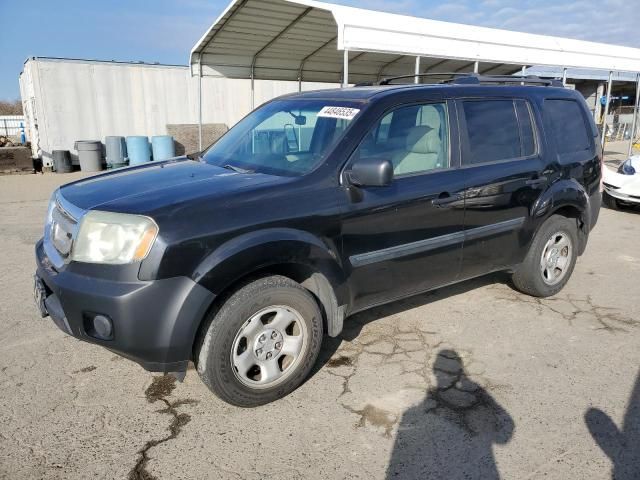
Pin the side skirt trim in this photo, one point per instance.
(422, 246)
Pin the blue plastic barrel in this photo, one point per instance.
(163, 147)
(139, 150)
(116, 148)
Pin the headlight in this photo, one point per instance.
(113, 238)
(52, 205)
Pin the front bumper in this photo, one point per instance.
(619, 194)
(154, 322)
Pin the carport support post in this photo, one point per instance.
(476, 67)
(345, 70)
(635, 115)
(200, 102)
(606, 110)
(253, 88)
(417, 71)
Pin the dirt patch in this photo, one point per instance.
(88, 369)
(340, 361)
(377, 417)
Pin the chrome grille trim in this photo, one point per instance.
(67, 216)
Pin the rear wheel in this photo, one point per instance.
(262, 343)
(610, 202)
(550, 260)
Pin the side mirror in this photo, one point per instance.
(371, 172)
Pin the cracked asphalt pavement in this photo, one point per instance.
(471, 381)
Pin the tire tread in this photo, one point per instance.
(224, 384)
(527, 278)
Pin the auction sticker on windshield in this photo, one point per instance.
(344, 113)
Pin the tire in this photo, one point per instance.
(534, 279)
(272, 317)
(610, 202)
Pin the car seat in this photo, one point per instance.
(423, 149)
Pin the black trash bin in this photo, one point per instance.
(62, 161)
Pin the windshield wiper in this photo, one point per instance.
(236, 169)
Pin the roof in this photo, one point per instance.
(448, 90)
(355, 93)
(293, 39)
(139, 63)
(582, 74)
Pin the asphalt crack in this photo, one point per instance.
(160, 388)
(571, 308)
(446, 380)
(401, 346)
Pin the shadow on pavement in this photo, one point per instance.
(622, 446)
(451, 434)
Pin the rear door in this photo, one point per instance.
(504, 175)
(407, 237)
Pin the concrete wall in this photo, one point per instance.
(69, 100)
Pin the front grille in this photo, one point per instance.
(63, 229)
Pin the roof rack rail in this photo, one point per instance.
(387, 81)
(476, 79)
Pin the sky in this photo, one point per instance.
(166, 30)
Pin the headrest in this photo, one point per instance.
(430, 117)
(423, 139)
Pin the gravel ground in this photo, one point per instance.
(471, 381)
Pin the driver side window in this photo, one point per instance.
(414, 138)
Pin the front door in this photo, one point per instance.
(406, 237)
(505, 174)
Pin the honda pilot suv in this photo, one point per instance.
(316, 206)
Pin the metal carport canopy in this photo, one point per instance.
(319, 42)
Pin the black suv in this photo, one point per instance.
(313, 207)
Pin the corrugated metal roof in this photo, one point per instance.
(583, 74)
(289, 39)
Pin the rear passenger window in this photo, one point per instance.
(568, 126)
(498, 130)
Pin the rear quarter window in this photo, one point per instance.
(568, 126)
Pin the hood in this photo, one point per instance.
(144, 188)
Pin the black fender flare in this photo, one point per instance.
(263, 249)
(563, 194)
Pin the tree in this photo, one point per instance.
(11, 107)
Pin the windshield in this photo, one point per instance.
(284, 137)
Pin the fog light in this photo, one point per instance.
(98, 326)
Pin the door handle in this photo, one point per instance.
(444, 199)
(536, 182)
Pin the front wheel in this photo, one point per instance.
(262, 343)
(551, 258)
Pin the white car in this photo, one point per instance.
(622, 187)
